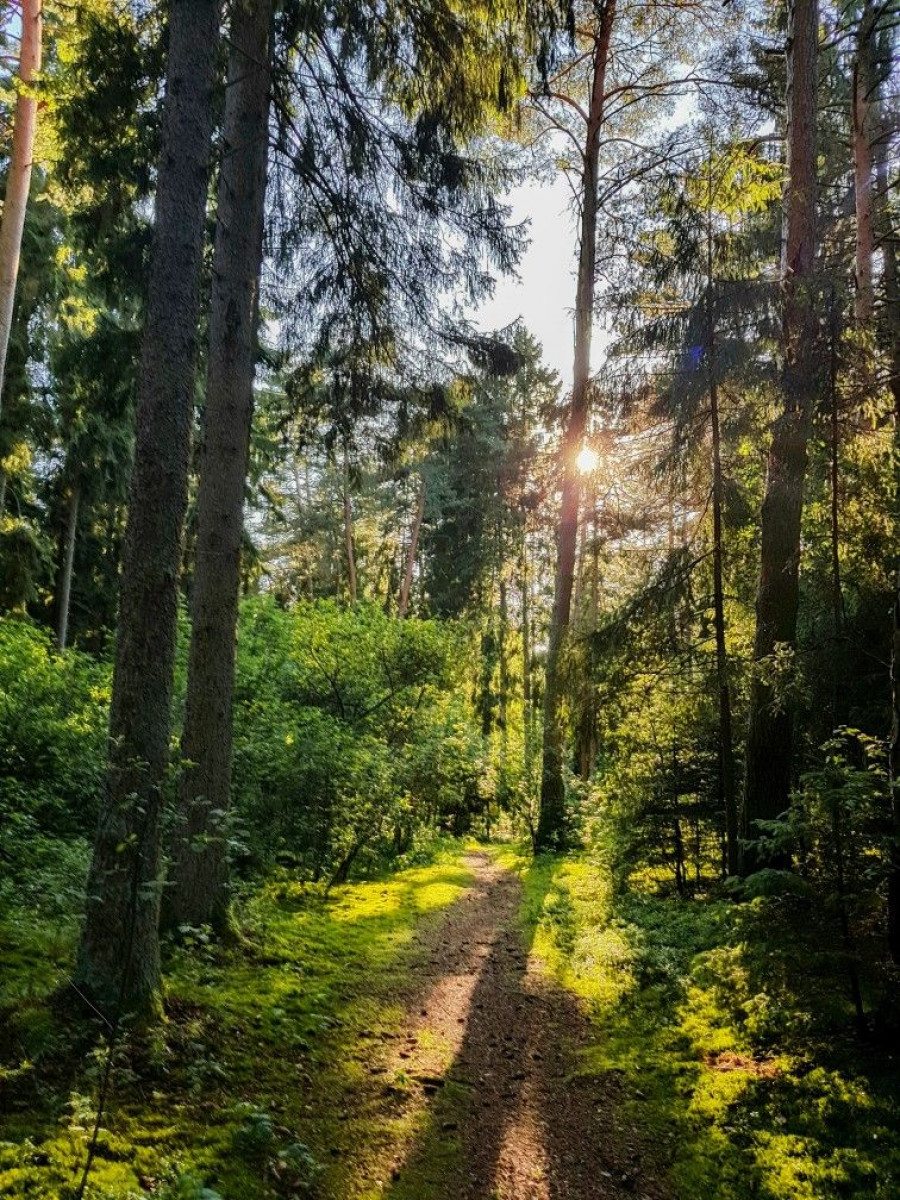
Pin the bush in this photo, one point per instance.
(53, 726)
(352, 732)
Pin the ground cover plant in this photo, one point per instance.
(740, 1062)
(258, 1083)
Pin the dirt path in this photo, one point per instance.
(507, 1119)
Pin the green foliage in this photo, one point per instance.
(53, 714)
(353, 738)
(25, 559)
(188, 1187)
(722, 1022)
(350, 733)
(244, 1092)
(482, 477)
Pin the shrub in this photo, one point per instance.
(53, 724)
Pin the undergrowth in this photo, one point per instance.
(736, 1045)
(259, 1083)
(728, 1034)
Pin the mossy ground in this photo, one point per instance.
(258, 1083)
(743, 1074)
(747, 1076)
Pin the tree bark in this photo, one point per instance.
(551, 828)
(864, 111)
(891, 327)
(770, 738)
(503, 683)
(586, 730)
(198, 879)
(406, 585)
(118, 961)
(888, 242)
(727, 772)
(67, 566)
(893, 899)
(528, 706)
(348, 535)
(504, 680)
(18, 183)
(837, 594)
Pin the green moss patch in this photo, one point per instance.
(736, 1071)
(263, 1081)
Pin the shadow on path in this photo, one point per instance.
(508, 1120)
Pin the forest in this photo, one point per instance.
(449, 739)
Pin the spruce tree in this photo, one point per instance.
(118, 959)
(196, 891)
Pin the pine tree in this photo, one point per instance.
(118, 960)
(197, 888)
(551, 823)
(598, 95)
(18, 183)
(770, 737)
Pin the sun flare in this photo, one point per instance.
(587, 460)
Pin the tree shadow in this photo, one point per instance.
(514, 1119)
(267, 1026)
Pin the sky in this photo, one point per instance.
(544, 293)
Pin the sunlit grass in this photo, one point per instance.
(261, 1078)
(736, 1093)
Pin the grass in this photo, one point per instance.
(739, 1065)
(259, 1083)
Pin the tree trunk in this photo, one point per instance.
(118, 962)
(887, 239)
(847, 938)
(863, 114)
(894, 778)
(528, 714)
(770, 738)
(837, 594)
(198, 890)
(348, 535)
(551, 829)
(66, 567)
(18, 183)
(892, 337)
(586, 733)
(727, 772)
(406, 586)
(585, 614)
(503, 661)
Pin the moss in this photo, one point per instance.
(258, 1084)
(730, 1062)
